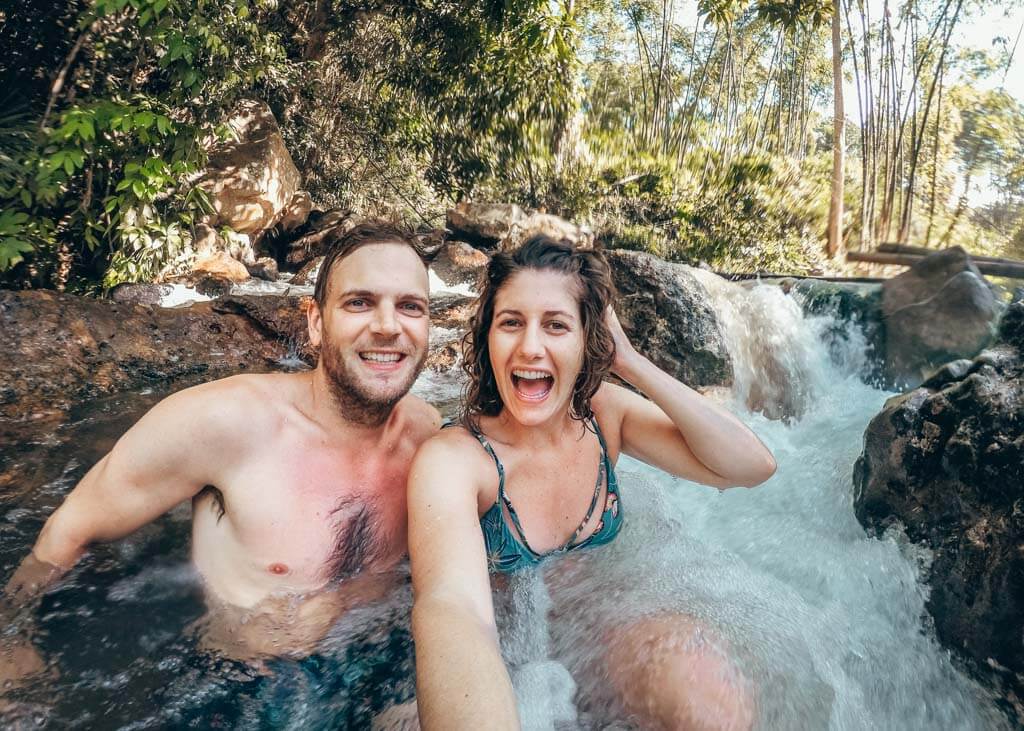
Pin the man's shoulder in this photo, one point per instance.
(421, 418)
(237, 404)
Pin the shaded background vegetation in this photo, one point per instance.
(699, 131)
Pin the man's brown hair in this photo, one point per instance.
(594, 292)
(373, 231)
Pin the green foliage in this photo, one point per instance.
(704, 143)
(109, 175)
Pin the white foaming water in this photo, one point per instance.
(826, 625)
(438, 286)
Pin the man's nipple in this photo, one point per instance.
(278, 568)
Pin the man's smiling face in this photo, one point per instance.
(373, 328)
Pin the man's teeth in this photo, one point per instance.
(530, 375)
(381, 357)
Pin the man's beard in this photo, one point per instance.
(356, 403)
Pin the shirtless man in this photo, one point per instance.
(297, 481)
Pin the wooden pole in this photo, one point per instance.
(997, 268)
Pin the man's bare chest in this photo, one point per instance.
(318, 515)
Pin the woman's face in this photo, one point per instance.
(536, 344)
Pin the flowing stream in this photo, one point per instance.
(826, 624)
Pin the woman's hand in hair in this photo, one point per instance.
(625, 354)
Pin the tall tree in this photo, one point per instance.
(835, 210)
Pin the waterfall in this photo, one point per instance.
(826, 624)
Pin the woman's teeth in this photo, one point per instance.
(532, 385)
(532, 375)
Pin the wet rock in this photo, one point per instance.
(306, 277)
(459, 263)
(251, 180)
(61, 349)
(451, 311)
(278, 318)
(140, 294)
(946, 461)
(848, 302)
(264, 268)
(665, 311)
(211, 286)
(939, 310)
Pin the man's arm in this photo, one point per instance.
(173, 451)
(168, 456)
(461, 679)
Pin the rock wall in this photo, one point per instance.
(946, 461)
(61, 349)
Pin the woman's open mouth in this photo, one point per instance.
(532, 385)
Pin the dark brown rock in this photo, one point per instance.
(666, 313)
(946, 461)
(939, 310)
(61, 349)
(139, 294)
(451, 311)
(264, 268)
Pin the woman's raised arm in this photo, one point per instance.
(461, 680)
(679, 430)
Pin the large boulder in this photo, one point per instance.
(665, 311)
(939, 310)
(506, 226)
(946, 461)
(251, 180)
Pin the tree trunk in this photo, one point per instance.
(835, 209)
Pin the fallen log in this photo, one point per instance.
(922, 251)
(1004, 268)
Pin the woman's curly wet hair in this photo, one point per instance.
(594, 292)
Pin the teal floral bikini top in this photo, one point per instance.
(507, 547)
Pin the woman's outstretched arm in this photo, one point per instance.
(679, 430)
(461, 679)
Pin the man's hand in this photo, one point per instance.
(18, 656)
(19, 660)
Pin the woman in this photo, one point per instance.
(530, 473)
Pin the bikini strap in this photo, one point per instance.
(497, 462)
(602, 472)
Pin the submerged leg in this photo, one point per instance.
(669, 673)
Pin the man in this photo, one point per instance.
(297, 481)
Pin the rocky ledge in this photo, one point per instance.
(946, 461)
